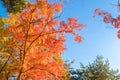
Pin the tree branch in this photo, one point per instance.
(41, 32)
(4, 64)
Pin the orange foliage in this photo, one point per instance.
(38, 37)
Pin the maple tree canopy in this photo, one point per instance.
(36, 41)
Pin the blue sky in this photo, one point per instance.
(98, 38)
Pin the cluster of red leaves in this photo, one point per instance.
(107, 18)
(71, 27)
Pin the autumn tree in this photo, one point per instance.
(35, 43)
(98, 70)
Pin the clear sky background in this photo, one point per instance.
(98, 38)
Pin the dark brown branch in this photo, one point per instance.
(24, 52)
(4, 65)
